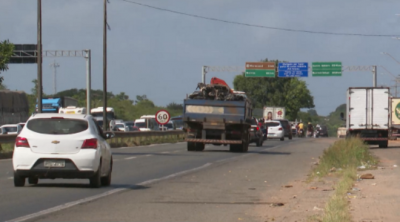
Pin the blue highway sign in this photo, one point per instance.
(293, 69)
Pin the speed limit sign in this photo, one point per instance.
(162, 117)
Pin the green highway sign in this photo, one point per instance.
(327, 69)
(259, 73)
(260, 69)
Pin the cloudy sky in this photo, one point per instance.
(160, 54)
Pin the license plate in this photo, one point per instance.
(252, 129)
(54, 163)
(271, 134)
(70, 112)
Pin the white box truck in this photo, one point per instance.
(368, 114)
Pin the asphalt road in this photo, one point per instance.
(134, 174)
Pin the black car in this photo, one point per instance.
(323, 131)
(256, 134)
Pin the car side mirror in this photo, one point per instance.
(110, 135)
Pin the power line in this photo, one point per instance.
(260, 26)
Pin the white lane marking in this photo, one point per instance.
(148, 155)
(165, 152)
(98, 196)
(130, 158)
(10, 178)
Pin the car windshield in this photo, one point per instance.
(57, 126)
(110, 115)
(271, 124)
(140, 124)
(129, 124)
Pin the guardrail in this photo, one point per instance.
(128, 138)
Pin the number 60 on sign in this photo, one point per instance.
(162, 117)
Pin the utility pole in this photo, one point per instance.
(39, 56)
(88, 58)
(54, 65)
(374, 76)
(105, 68)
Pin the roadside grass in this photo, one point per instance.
(342, 159)
(6, 147)
(344, 154)
(337, 208)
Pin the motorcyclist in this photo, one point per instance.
(310, 129)
(300, 129)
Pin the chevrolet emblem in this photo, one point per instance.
(55, 142)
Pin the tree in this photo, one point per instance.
(6, 49)
(290, 93)
(34, 90)
(175, 106)
(140, 98)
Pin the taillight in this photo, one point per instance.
(258, 128)
(89, 144)
(21, 142)
(280, 128)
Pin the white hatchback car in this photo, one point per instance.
(62, 146)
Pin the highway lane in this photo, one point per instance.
(239, 189)
(131, 167)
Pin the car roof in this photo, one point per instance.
(10, 125)
(66, 116)
(272, 121)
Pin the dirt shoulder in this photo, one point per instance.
(304, 201)
(378, 199)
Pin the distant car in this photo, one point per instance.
(22, 125)
(169, 126)
(256, 135)
(11, 129)
(341, 132)
(323, 131)
(147, 124)
(278, 129)
(62, 146)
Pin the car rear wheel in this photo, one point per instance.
(106, 181)
(290, 137)
(19, 181)
(95, 180)
(383, 145)
(282, 139)
(259, 142)
(33, 180)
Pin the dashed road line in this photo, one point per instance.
(131, 158)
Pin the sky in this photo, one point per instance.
(160, 54)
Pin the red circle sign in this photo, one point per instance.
(162, 117)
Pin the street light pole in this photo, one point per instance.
(105, 67)
(39, 56)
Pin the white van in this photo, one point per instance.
(147, 123)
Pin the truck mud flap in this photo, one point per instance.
(213, 141)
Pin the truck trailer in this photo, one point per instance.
(368, 114)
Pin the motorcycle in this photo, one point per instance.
(300, 133)
(309, 133)
(316, 133)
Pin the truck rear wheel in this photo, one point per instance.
(191, 146)
(383, 144)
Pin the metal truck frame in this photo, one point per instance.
(217, 122)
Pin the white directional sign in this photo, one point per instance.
(162, 117)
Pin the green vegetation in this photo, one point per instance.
(343, 157)
(124, 107)
(6, 147)
(337, 207)
(290, 93)
(6, 49)
(345, 154)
